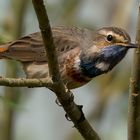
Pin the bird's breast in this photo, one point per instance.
(70, 70)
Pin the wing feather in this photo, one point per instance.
(31, 48)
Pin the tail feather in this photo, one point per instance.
(3, 49)
(22, 51)
(26, 49)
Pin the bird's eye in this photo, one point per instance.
(109, 37)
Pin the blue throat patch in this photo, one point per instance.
(110, 55)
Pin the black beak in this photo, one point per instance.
(131, 45)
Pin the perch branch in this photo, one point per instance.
(23, 82)
(134, 96)
(63, 95)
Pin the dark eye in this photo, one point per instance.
(109, 37)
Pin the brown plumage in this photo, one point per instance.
(73, 45)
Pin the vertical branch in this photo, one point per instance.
(134, 96)
(73, 111)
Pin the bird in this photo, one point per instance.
(82, 53)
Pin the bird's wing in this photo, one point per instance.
(31, 48)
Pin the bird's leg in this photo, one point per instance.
(71, 98)
(82, 117)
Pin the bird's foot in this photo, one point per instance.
(82, 117)
(67, 117)
(57, 102)
(71, 98)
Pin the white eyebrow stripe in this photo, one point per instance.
(104, 32)
(120, 37)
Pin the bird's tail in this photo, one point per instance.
(26, 49)
(18, 51)
(3, 49)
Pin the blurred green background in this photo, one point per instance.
(31, 113)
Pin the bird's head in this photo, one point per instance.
(110, 45)
(113, 36)
(113, 43)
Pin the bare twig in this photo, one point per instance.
(134, 97)
(23, 82)
(64, 96)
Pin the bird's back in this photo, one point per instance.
(31, 48)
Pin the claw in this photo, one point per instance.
(71, 97)
(57, 102)
(82, 117)
(67, 117)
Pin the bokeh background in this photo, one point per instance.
(31, 113)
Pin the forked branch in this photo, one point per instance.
(64, 95)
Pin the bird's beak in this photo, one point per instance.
(131, 45)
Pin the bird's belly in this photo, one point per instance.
(70, 70)
(36, 70)
(70, 76)
(72, 84)
(72, 79)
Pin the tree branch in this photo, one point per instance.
(134, 96)
(63, 95)
(23, 82)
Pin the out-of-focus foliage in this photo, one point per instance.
(104, 99)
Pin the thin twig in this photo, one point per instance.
(23, 82)
(64, 96)
(134, 96)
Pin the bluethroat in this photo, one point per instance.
(82, 53)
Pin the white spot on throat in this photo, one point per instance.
(102, 66)
(77, 63)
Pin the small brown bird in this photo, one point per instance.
(82, 53)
